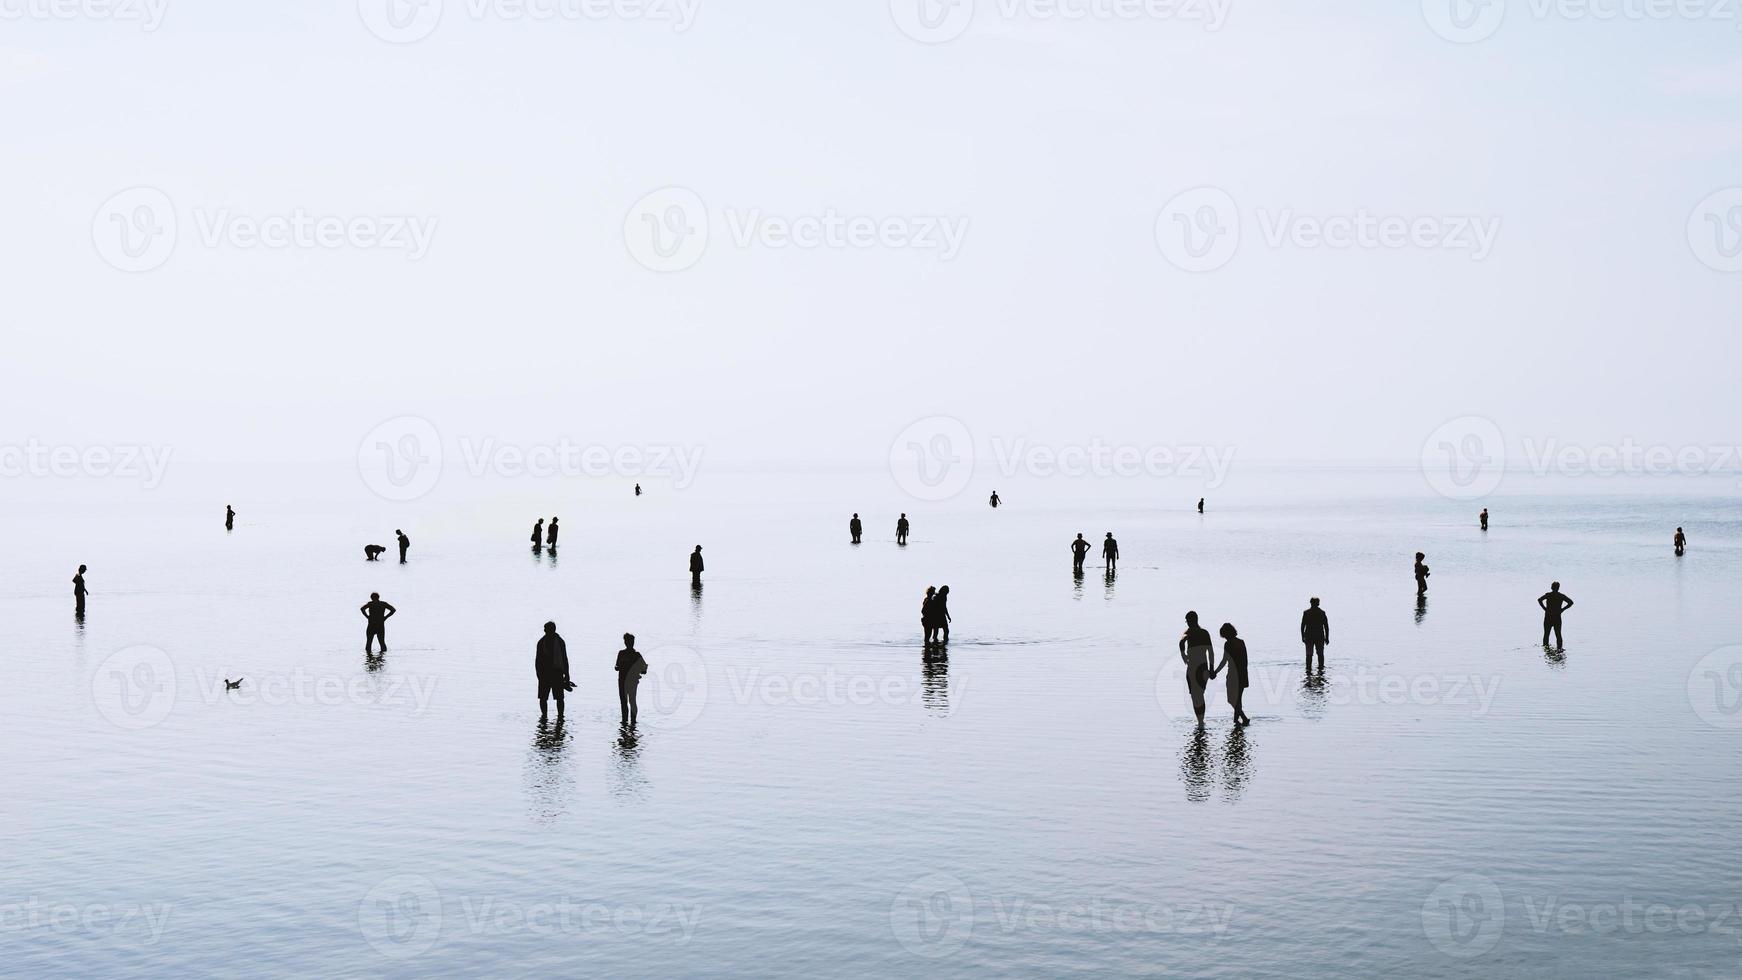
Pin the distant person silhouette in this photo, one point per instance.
(550, 535)
(995, 501)
(901, 529)
(1553, 603)
(404, 544)
(696, 566)
(229, 518)
(551, 662)
(1196, 648)
(940, 607)
(377, 613)
(630, 667)
(1200, 505)
(928, 623)
(1681, 543)
(1079, 551)
(538, 535)
(1110, 552)
(638, 489)
(1234, 661)
(372, 552)
(1421, 574)
(1315, 632)
(855, 527)
(1484, 517)
(79, 591)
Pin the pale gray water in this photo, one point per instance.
(808, 796)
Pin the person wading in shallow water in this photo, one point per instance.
(855, 527)
(901, 526)
(630, 667)
(377, 613)
(550, 661)
(1553, 603)
(1681, 542)
(1234, 662)
(1315, 632)
(1196, 648)
(1421, 574)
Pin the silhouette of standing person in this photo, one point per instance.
(1315, 632)
(551, 662)
(1681, 543)
(927, 619)
(855, 527)
(404, 544)
(79, 591)
(696, 566)
(1234, 661)
(1196, 649)
(538, 535)
(1421, 574)
(1079, 551)
(940, 607)
(1553, 603)
(229, 518)
(630, 667)
(995, 501)
(638, 489)
(1484, 518)
(1110, 552)
(1200, 505)
(377, 613)
(550, 535)
(901, 529)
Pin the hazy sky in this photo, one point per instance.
(994, 210)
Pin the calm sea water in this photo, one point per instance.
(808, 793)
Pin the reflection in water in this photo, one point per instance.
(1555, 658)
(1077, 583)
(1111, 575)
(373, 662)
(935, 689)
(629, 782)
(1420, 608)
(1314, 695)
(1199, 765)
(1194, 765)
(553, 555)
(695, 605)
(548, 781)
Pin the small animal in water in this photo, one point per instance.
(233, 685)
(372, 552)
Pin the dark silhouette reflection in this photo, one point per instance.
(1314, 696)
(1077, 583)
(1195, 766)
(548, 780)
(696, 605)
(1420, 608)
(629, 782)
(1554, 657)
(1236, 764)
(373, 662)
(1108, 578)
(935, 687)
(79, 620)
